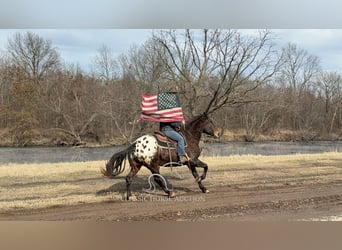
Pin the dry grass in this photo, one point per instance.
(31, 186)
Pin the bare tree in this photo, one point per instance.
(105, 64)
(119, 107)
(222, 66)
(32, 54)
(330, 86)
(72, 104)
(299, 68)
(298, 74)
(143, 65)
(3, 86)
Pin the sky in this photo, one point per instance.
(79, 46)
(170, 14)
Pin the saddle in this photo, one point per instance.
(166, 142)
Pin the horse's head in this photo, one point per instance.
(209, 127)
(202, 124)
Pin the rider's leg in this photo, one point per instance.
(181, 144)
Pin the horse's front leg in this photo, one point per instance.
(203, 165)
(197, 163)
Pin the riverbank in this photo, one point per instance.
(213, 149)
(55, 138)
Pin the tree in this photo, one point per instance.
(32, 54)
(120, 109)
(73, 101)
(143, 66)
(260, 116)
(215, 68)
(297, 76)
(23, 113)
(330, 87)
(4, 91)
(299, 68)
(105, 64)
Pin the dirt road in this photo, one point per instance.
(246, 191)
(323, 202)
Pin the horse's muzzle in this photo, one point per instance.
(216, 134)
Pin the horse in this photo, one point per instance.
(145, 151)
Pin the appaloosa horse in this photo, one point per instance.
(145, 151)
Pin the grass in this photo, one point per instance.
(32, 186)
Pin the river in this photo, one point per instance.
(79, 154)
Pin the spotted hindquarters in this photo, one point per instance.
(146, 148)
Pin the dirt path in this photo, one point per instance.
(286, 204)
(251, 189)
(224, 203)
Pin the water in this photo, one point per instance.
(55, 154)
(272, 148)
(77, 154)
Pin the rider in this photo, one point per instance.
(171, 130)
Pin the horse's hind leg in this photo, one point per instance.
(162, 181)
(135, 167)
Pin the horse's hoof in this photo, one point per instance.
(131, 197)
(172, 194)
(207, 191)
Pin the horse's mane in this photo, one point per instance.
(191, 121)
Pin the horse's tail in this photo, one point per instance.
(117, 163)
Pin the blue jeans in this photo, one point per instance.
(177, 137)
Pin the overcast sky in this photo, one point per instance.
(81, 45)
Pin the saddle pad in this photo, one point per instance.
(164, 141)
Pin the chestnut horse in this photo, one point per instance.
(145, 151)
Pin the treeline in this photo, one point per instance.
(252, 90)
